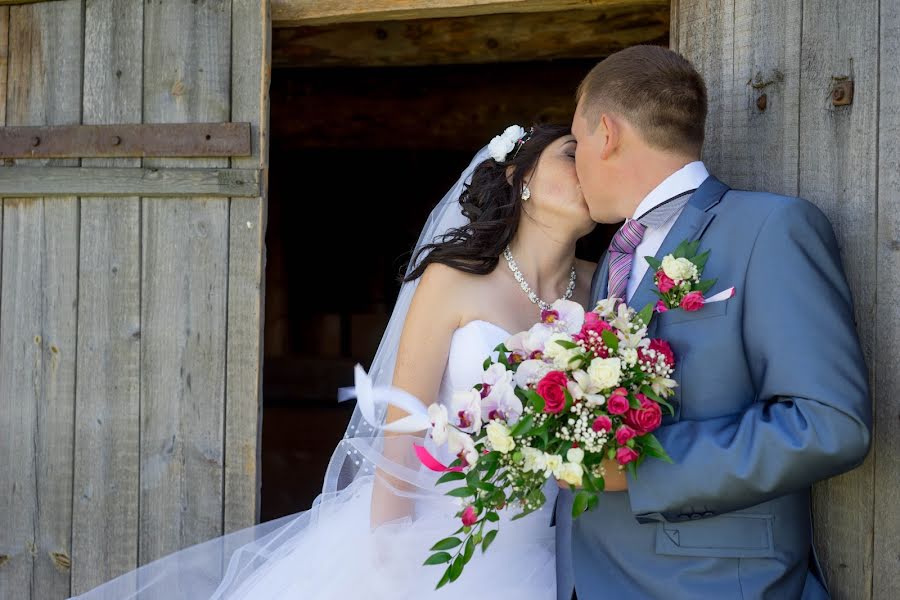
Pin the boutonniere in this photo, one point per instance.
(679, 282)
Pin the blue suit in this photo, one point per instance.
(772, 397)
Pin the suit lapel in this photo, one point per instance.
(690, 225)
(600, 283)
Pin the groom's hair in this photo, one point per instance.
(655, 89)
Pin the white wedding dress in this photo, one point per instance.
(330, 552)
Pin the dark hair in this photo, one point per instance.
(655, 89)
(493, 206)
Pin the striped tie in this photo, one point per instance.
(621, 256)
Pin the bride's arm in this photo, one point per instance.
(432, 318)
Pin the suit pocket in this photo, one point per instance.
(734, 535)
(679, 315)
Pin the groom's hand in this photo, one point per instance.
(614, 480)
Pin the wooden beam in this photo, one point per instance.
(32, 182)
(448, 108)
(141, 139)
(481, 39)
(291, 13)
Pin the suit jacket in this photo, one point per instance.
(772, 397)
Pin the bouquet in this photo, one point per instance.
(559, 398)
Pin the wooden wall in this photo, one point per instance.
(771, 66)
(130, 327)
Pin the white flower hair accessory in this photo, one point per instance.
(503, 144)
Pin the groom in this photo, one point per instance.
(772, 392)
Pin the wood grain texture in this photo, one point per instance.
(838, 170)
(251, 68)
(129, 181)
(480, 39)
(44, 71)
(4, 60)
(107, 426)
(886, 344)
(290, 13)
(186, 73)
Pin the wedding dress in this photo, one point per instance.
(332, 551)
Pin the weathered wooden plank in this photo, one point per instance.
(187, 59)
(21, 358)
(4, 60)
(128, 181)
(479, 39)
(705, 35)
(107, 425)
(44, 88)
(290, 13)
(765, 96)
(886, 344)
(251, 52)
(838, 162)
(155, 139)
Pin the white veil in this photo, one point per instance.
(223, 568)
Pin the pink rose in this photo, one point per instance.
(617, 405)
(625, 455)
(646, 418)
(661, 307)
(469, 517)
(693, 301)
(552, 388)
(664, 282)
(602, 423)
(625, 433)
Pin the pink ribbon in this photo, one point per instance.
(431, 462)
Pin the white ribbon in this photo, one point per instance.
(368, 397)
(723, 295)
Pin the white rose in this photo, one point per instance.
(558, 354)
(605, 373)
(553, 464)
(502, 144)
(575, 455)
(678, 269)
(498, 436)
(533, 460)
(571, 473)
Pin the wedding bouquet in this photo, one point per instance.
(559, 398)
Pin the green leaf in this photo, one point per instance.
(580, 503)
(486, 486)
(488, 538)
(648, 391)
(451, 476)
(593, 501)
(653, 448)
(472, 478)
(535, 400)
(610, 339)
(469, 551)
(692, 248)
(492, 517)
(487, 363)
(438, 559)
(522, 425)
(646, 314)
(444, 580)
(633, 402)
(655, 264)
(682, 250)
(567, 344)
(461, 492)
(502, 349)
(700, 260)
(446, 544)
(456, 568)
(706, 285)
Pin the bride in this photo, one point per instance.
(498, 247)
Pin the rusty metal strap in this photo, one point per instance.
(126, 140)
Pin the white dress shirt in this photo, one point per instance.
(688, 177)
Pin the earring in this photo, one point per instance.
(526, 193)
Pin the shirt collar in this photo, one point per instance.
(688, 177)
